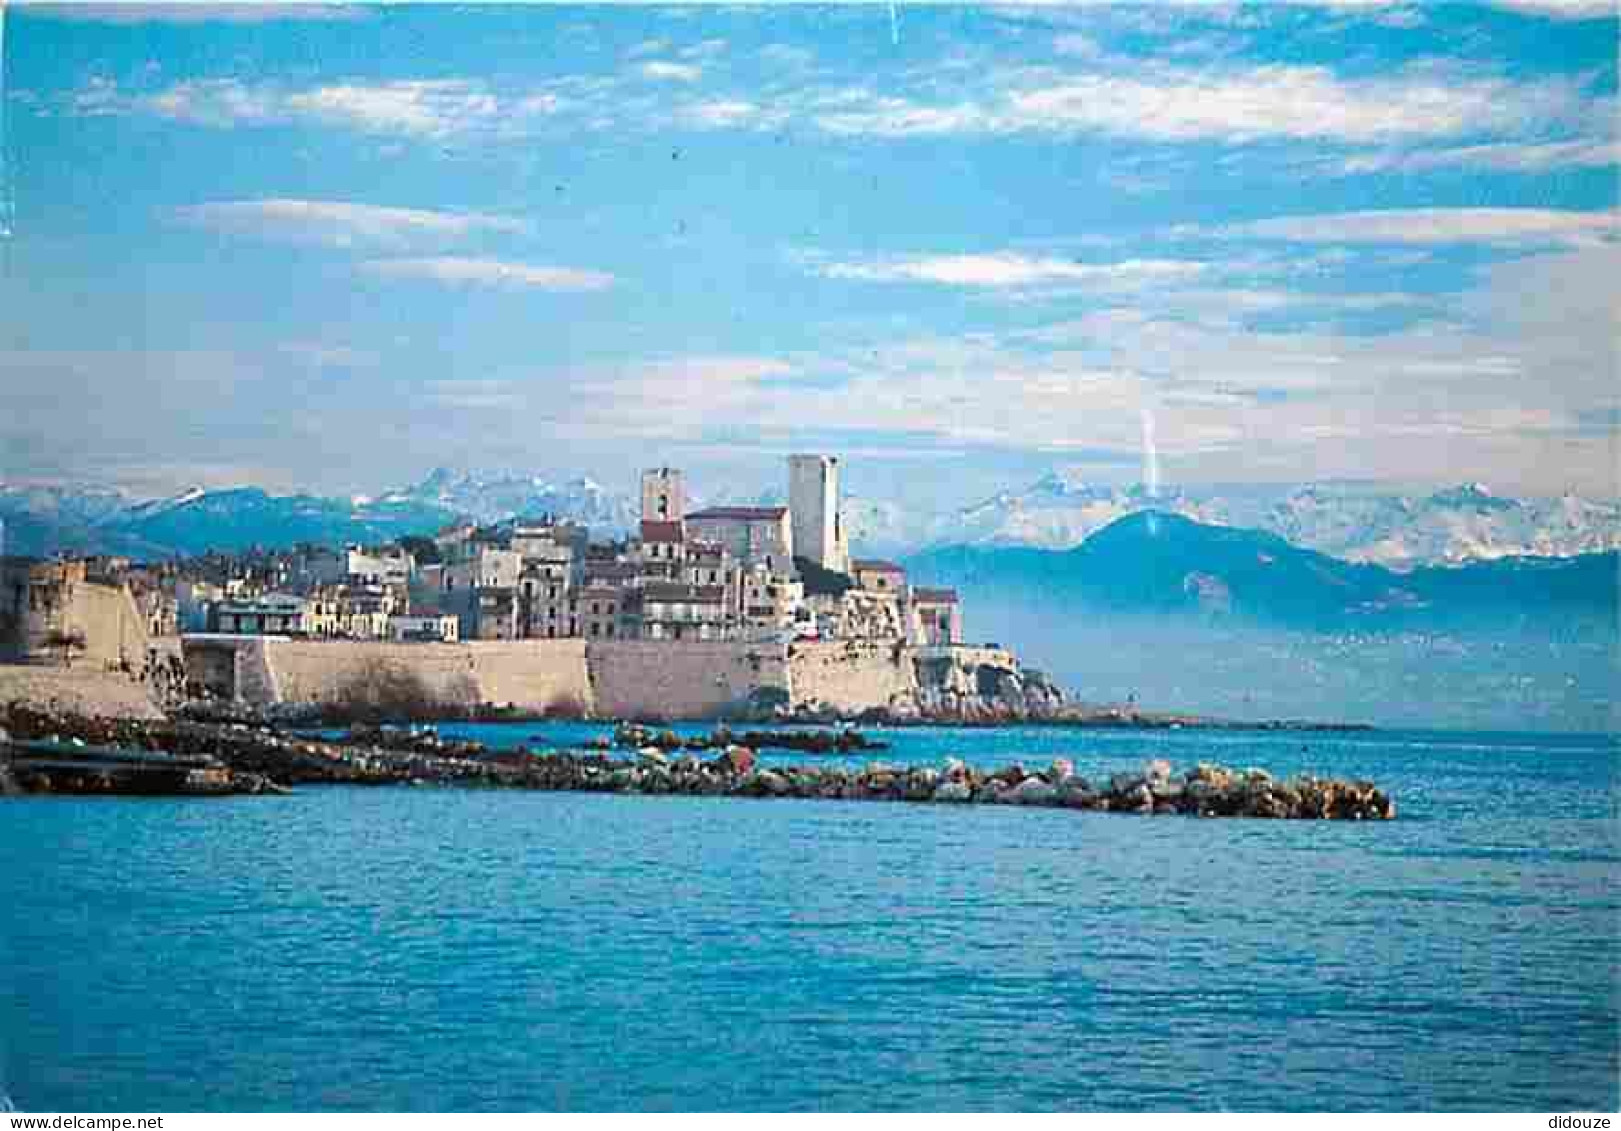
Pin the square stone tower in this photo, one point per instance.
(664, 498)
(813, 501)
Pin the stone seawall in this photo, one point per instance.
(538, 676)
(101, 616)
(637, 679)
(80, 690)
(664, 679)
(530, 675)
(850, 676)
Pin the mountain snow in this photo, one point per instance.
(1361, 523)
(494, 496)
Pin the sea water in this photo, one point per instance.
(441, 948)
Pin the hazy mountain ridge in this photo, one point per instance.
(1164, 611)
(1160, 563)
(1354, 523)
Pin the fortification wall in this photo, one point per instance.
(852, 675)
(532, 675)
(535, 675)
(101, 617)
(115, 631)
(81, 690)
(665, 679)
(640, 679)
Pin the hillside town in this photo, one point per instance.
(722, 573)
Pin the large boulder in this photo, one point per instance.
(1123, 784)
(1032, 791)
(956, 792)
(764, 783)
(736, 760)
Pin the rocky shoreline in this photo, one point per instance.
(1070, 717)
(250, 758)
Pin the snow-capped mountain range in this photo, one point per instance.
(494, 496)
(1060, 510)
(1354, 522)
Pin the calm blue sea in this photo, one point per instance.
(427, 948)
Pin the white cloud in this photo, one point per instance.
(459, 270)
(704, 49)
(1281, 101)
(1561, 9)
(1077, 45)
(432, 108)
(676, 399)
(727, 113)
(1158, 101)
(648, 47)
(786, 56)
(1503, 227)
(663, 70)
(193, 11)
(333, 223)
(1515, 157)
(1008, 270)
(425, 108)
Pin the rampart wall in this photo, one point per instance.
(605, 679)
(852, 675)
(531, 675)
(683, 680)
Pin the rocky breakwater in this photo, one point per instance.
(1204, 791)
(840, 741)
(388, 757)
(248, 754)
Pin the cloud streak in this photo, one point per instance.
(341, 224)
(194, 12)
(1498, 227)
(1134, 99)
(1508, 157)
(1000, 270)
(465, 271)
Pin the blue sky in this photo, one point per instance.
(329, 248)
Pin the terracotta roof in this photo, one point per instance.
(654, 530)
(875, 565)
(934, 596)
(745, 514)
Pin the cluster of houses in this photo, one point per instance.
(726, 573)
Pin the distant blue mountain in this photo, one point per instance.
(248, 516)
(1159, 563)
(227, 520)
